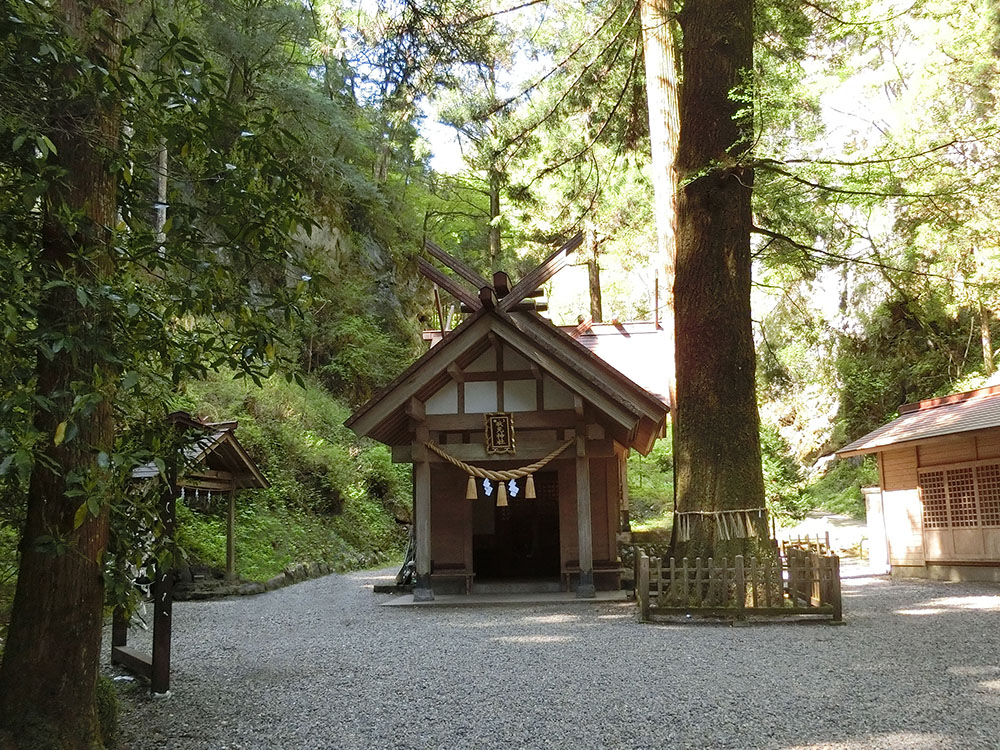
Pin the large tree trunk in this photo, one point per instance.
(50, 661)
(664, 130)
(716, 424)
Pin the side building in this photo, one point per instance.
(939, 477)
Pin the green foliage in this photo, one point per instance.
(839, 490)
(332, 497)
(911, 348)
(8, 573)
(651, 487)
(782, 476)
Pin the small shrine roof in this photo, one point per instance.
(934, 417)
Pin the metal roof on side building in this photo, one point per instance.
(931, 418)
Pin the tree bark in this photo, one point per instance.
(49, 669)
(716, 423)
(594, 276)
(986, 338)
(494, 235)
(660, 61)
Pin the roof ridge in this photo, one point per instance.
(951, 398)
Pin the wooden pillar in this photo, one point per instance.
(231, 537)
(163, 598)
(585, 588)
(421, 502)
(422, 518)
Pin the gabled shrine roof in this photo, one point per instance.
(217, 447)
(639, 413)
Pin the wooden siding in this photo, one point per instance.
(599, 508)
(947, 450)
(451, 518)
(568, 546)
(899, 469)
(988, 444)
(613, 493)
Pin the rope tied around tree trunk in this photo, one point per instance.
(499, 476)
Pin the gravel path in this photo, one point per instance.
(321, 665)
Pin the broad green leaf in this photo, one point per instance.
(80, 516)
(48, 144)
(60, 434)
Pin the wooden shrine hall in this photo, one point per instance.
(518, 435)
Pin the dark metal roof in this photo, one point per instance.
(935, 417)
(218, 446)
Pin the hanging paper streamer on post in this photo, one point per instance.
(729, 524)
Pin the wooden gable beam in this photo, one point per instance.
(448, 284)
(377, 410)
(501, 284)
(542, 273)
(462, 269)
(553, 363)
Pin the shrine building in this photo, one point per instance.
(518, 434)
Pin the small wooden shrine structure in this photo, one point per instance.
(938, 504)
(214, 463)
(518, 436)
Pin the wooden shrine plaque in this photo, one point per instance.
(500, 432)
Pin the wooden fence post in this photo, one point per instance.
(163, 595)
(642, 587)
(741, 588)
(119, 627)
(635, 570)
(838, 604)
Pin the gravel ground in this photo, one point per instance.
(322, 665)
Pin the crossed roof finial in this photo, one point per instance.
(500, 294)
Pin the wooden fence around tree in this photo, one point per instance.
(801, 582)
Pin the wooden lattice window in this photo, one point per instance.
(962, 504)
(988, 480)
(935, 500)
